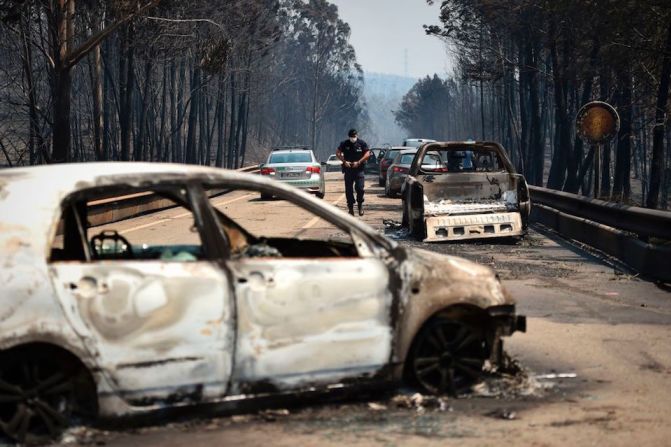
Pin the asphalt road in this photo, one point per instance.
(596, 361)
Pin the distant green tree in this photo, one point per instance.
(425, 109)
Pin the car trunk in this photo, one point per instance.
(470, 205)
(467, 193)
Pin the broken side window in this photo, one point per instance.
(110, 224)
(277, 228)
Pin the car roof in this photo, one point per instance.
(30, 197)
(284, 151)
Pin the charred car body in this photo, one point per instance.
(95, 326)
(473, 192)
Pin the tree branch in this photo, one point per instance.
(77, 55)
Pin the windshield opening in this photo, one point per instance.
(456, 160)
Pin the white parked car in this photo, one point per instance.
(102, 322)
(333, 163)
(295, 166)
(416, 142)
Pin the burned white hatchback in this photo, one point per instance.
(464, 190)
(98, 323)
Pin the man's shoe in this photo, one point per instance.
(361, 209)
(351, 209)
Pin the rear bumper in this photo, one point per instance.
(312, 183)
(395, 182)
(473, 226)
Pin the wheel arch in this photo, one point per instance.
(47, 369)
(55, 351)
(467, 312)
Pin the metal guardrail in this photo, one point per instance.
(617, 230)
(641, 221)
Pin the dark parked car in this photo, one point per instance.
(386, 161)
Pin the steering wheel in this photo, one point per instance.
(122, 249)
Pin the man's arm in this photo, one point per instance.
(341, 157)
(366, 155)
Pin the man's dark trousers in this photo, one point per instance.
(354, 180)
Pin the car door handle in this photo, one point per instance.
(87, 284)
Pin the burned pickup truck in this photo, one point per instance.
(464, 190)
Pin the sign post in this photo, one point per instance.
(597, 123)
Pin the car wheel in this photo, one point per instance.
(447, 357)
(39, 394)
(265, 196)
(380, 181)
(387, 190)
(320, 195)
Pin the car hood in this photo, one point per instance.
(452, 280)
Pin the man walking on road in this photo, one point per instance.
(353, 153)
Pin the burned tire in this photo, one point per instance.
(41, 391)
(447, 357)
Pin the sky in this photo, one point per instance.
(383, 29)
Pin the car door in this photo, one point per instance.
(311, 321)
(307, 317)
(161, 323)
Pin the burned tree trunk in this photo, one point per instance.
(657, 164)
(563, 126)
(126, 81)
(622, 182)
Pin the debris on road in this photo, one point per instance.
(556, 376)
(376, 407)
(273, 414)
(420, 402)
(502, 413)
(394, 230)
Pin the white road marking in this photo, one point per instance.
(179, 216)
(316, 219)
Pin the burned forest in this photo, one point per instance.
(212, 83)
(525, 68)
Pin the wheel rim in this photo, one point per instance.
(36, 400)
(448, 357)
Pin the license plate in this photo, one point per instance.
(291, 174)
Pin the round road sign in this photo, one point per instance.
(597, 122)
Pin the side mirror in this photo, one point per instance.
(261, 165)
